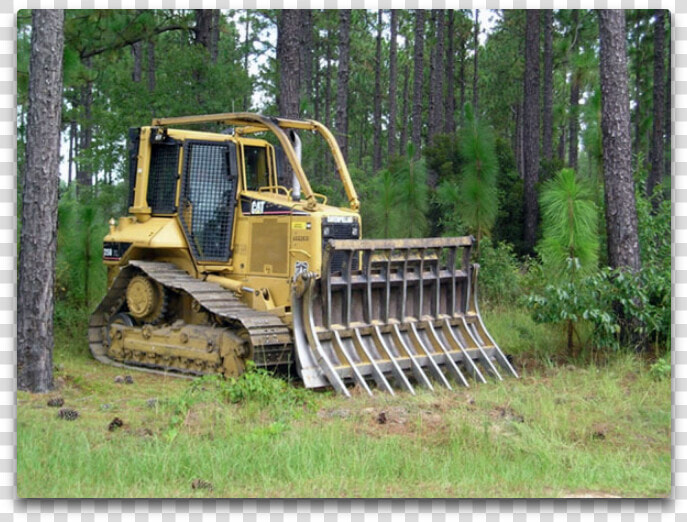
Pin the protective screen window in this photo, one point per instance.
(256, 167)
(208, 200)
(162, 178)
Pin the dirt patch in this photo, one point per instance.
(506, 413)
(399, 421)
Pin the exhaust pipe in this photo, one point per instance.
(296, 186)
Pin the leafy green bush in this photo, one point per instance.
(661, 368)
(258, 385)
(500, 279)
(617, 304)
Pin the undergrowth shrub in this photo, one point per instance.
(260, 386)
(616, 303)
(500, 277)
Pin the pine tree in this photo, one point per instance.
(477, 202)
(570, 239)
(39, 209)
(621, 213)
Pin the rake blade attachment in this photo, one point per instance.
(398, 313)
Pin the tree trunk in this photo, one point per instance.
(306, 54)
(519, 156)
(246, 55)
(342, 88)
(72, 150)
(656, 173)
(621, 214)
(328, 85)
(461, 80)
(36, 279)
(416, 134)
(450, 100)
(288, 52)
(137, 54)
(83, 169)
(203, 28)
(531, 128)
(214, 35)
(574, 124)
(377, 139)
(436, 92)
(668, 116)
(403, 142)
(561, 145)
(391, 137)
(475, 93)
(547, 117)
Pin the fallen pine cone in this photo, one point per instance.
(116, 423)
(68, 414)
(56, 402)
(201, 484)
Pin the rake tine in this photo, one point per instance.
(483, 356)
(377, 373)
(396, 369)
(356, 373)
(314, 342)
(436, 371)
(450, 363)
(499, 355)
(415, 366)
(469, 363)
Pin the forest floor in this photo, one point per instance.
(561, 430)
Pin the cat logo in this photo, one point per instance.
(257, 207)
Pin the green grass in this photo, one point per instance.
(558, 431)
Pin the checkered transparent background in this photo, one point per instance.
(327, 510)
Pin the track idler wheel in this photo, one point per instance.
(146, 299)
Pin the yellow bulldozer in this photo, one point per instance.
(218, 264)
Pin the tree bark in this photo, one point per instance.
(288, 58)
(621, 214)
(436, 93)
(461, 81)
(377, 138)
(561, 145)
(547, 117)
(416, 134)
(246, 54)
(668, 116)
(573, 122)
(214, 35)
(72, 150)
(342, 88)
(403, 141)
(475, 92)
(151, 65)
(306, 54)
(84, 176)
(36, 278)
(393, 78)
(450, 100)
(531, 128)
(137, 55)
(203, 29)
(656, 173)
(328, 84)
